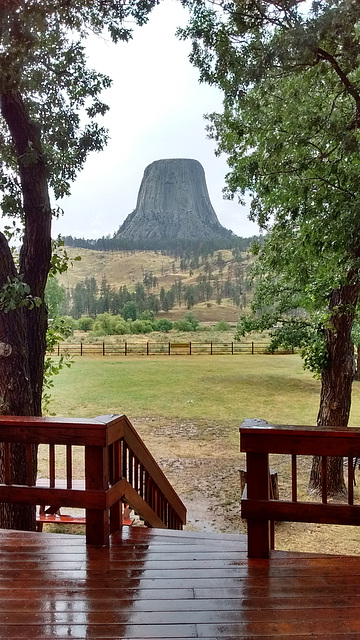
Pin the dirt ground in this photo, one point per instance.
(202, 460)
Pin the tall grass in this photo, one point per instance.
(226, 388)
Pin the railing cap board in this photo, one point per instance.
(257, 436)
(76, 431)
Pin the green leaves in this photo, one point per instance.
(15, 294)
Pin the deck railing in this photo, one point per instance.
(117, 468)
(258, 439)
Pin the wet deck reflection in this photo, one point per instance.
(167, 584)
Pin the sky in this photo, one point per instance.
(157, 108)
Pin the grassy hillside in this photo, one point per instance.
(125, 268)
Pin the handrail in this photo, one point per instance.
(258, 439)
(118, 468)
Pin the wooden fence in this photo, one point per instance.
(163, 348)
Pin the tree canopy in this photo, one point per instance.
(290, 74)
(49, 104)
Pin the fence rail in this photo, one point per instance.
(258, 439)
(163, 348)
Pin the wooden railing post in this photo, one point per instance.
(257, 473)
(96, 470)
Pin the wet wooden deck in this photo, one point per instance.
(167, 584)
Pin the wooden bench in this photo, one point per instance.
(52, 514)
(47, 516)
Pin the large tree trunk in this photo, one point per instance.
(23, 330)
(337, 378)
(357, 372)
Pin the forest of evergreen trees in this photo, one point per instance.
(177, 248)
(217, 281)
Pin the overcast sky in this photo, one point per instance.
(156, 111)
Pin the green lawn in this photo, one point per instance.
(227, 388)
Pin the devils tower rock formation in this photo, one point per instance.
(173, 203)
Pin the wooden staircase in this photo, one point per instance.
(118, 470)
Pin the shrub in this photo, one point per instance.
(164, 324)
(183, 325)
(85, 323)
(189, 317)
(147, 315)
(121, 327)
(141, 326)
(222, 326)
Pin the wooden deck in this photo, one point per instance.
(171, 584)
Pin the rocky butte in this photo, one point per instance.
(173, 204)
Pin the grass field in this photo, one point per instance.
(227, 388)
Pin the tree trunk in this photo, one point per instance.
(337, 378)
(23, 330)
(357, 372)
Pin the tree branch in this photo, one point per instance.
(325, 55)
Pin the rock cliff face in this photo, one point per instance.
(173, 203)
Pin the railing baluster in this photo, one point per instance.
(324, 479)
(294, 478)
(125, 461)
(29, 465)
(136, 475)
(7, 470)
(111, 464)
(69, 466)
(52, 465)
(117, 458)
(130, 469)
(121, 459)
(350, 481)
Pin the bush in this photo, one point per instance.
(85, 323)
(147, 315)
(164, 324)
(188, 323)
(121, 327)
(222, 326)
(183, 325)
(189, 317)
(141, 326)
(103, 325)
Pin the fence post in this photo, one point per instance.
(81, 348)
(189, 348)
(252, 348)
(125, 348)
(232, 348)
(147, 348)
(211, 348)
(103, 348)
(169, 348)
(58, 348)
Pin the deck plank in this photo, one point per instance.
(160, 584)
